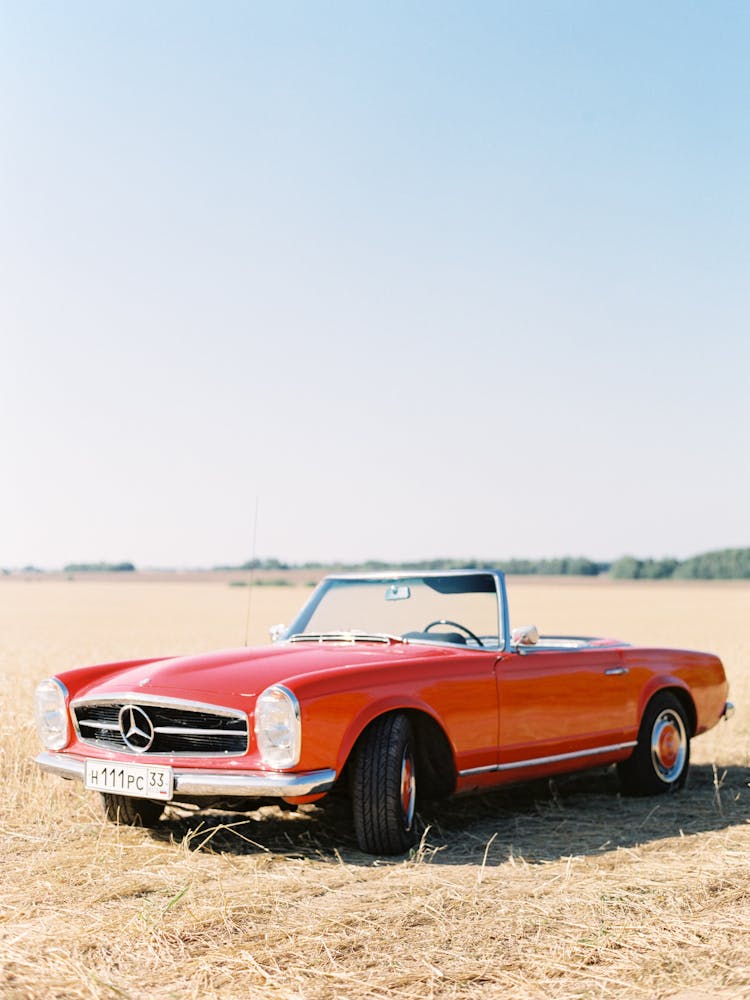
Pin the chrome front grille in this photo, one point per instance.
(160, 727)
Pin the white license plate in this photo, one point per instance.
(143, 781)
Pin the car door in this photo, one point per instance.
(555, 705)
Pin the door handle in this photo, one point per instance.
(615, 671)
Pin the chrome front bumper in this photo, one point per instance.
(243, 784)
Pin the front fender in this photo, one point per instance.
(392, 704)
(79, 680)
(332, 724)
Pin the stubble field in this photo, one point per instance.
(557, 890)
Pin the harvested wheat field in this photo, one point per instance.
(556, 890)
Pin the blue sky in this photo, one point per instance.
(427, 279)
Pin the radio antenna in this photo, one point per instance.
(251, 581)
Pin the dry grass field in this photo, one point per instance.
(562, 890)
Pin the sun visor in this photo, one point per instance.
(470, 584)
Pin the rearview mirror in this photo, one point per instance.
(398, 592)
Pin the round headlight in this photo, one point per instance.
(51, 714)
(278, 731)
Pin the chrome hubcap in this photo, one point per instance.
(668, 746)
(408, 789)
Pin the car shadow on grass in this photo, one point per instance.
(575, 815)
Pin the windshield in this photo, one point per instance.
(454, 608)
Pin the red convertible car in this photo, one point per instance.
(394, 688)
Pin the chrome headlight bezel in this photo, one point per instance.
(51, 713)
(278, 727)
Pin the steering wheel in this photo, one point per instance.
(447, 621)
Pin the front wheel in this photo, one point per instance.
(661, 759)
(127, 811)
(384, 787)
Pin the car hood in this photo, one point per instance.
(247, 672)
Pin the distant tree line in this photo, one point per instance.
(724, 564)
(100, 567)
(575, 566)
(567, 566)
(630, 568)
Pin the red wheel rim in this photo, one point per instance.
(408, 789)
(668, 746)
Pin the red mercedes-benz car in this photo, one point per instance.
(396, 687)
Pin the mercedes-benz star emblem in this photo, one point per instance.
(136, 727)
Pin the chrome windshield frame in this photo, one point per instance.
(303, 617)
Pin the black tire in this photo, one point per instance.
(127, 811)
(384, 787)
(661, 760)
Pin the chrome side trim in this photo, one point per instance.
(538, 761)
(244, 784)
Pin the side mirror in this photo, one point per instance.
(276, 632)
(525, 635)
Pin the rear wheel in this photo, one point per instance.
(661, 760)
(384, 787)
(127, 811)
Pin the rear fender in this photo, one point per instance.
(672, 685)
